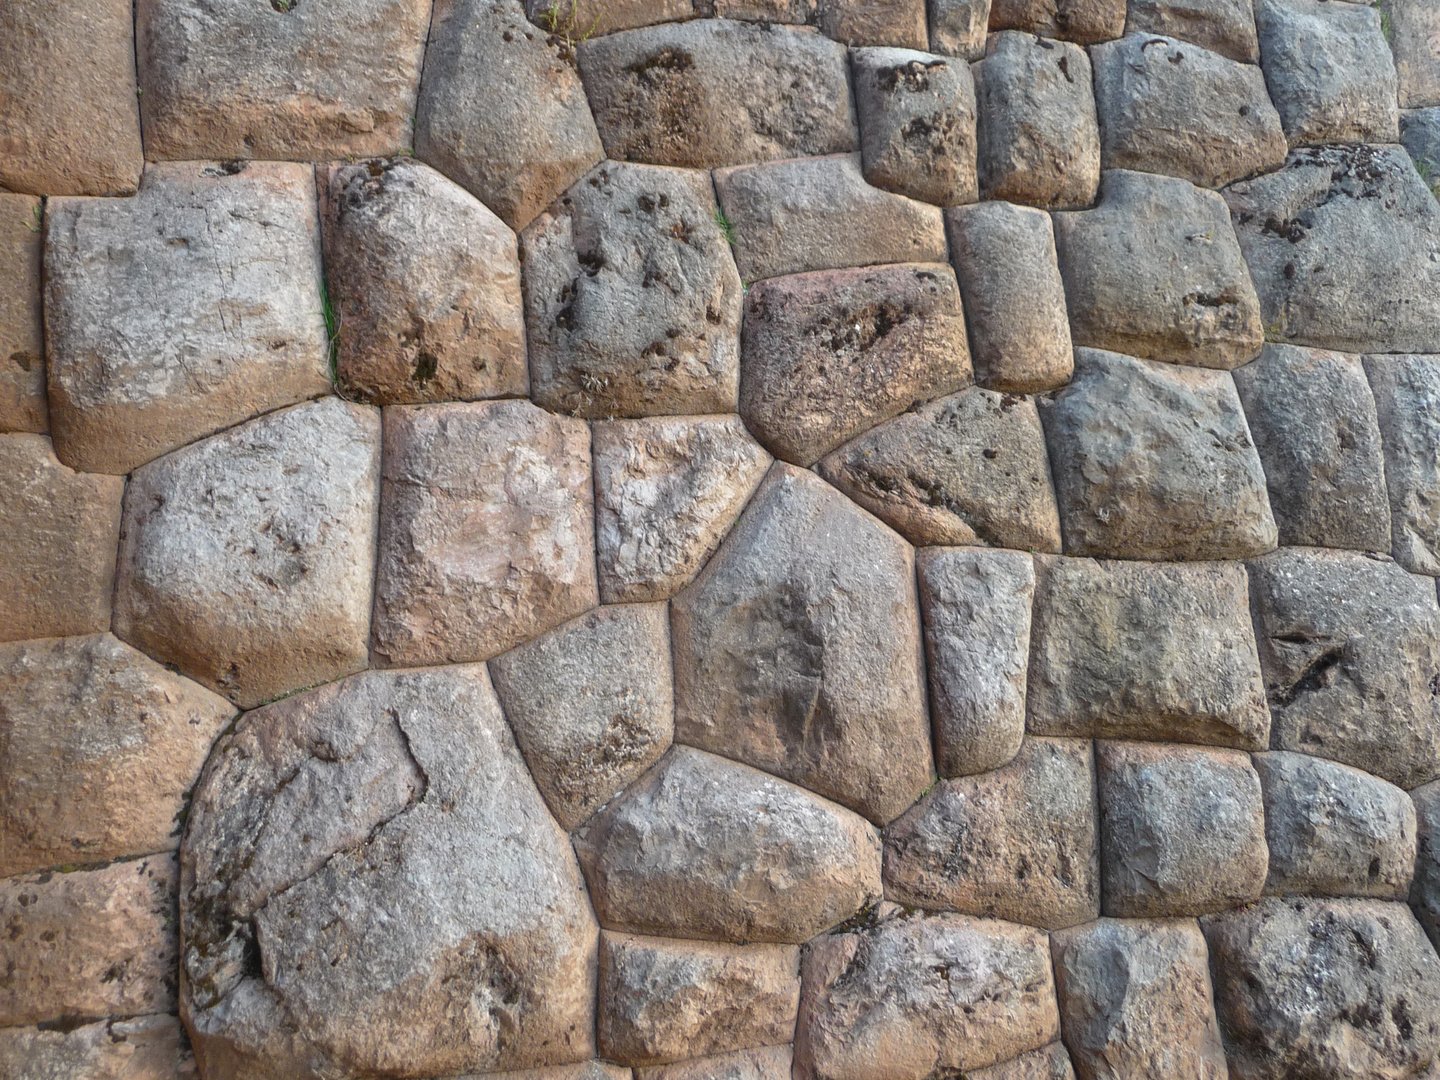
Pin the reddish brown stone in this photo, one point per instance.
(22, 328)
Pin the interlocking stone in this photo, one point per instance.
(585, 1070)
(1038, 135)
(425, 283)
(705, 847)
(826, 356)
(143, 1048)
(1169, 106)
(959, 27)
(788, 217)
(631, 297)
(1135, 1000)
(1350, 649)
(58, 532)
(1083, 21)
(1154, 461)
(928, 993)
(1425, 889)
(1335, 988)
(1420, 132)
(1414, 37)
(1182, 829)
(797, 650)
(185, 310)
(581, 19)
(719, 92)
(1018, 843)
(1048, 1063)
(1155, 271)
(966, 469)
(502, 110)
(786, 12)
(765, 1063)
(1226, 27)
(1407, 402)
(1133, 650)
(486, 530)
(22, 326)
(899, 23)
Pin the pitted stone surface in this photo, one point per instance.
(1407, 404)
(1425, 888)
(1420, 132)
(1414, 37)
(1048, 1063)
(959, 27)
(22, 325)
(899, 23)
(1226, 27)
(766, 1063)
(143, 1048)
(785, 12)
(580, 19)
(1083, 21)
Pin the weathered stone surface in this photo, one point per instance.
(144, 1048)
(1226, 27)
(425, 283)
(1329, 71)
(1133, 650)
(663, 1001)
(1154, 271)
(486, 530)
(1135, 1000)
(378, 850)
(805, 214)
(786, 12)
(591, 704)
(81, 135)
(704, 847)
(1038, 136)
(766, 1063)
(1314, 422)
(828, 355)
(1350, 649)
(1414, 37)
(1018, 843)
(631, 297)
(1048, 1063)
(1182, 829)
(187, 309)
(1083, 21)
(922, 993)
(719, 92)
(966, 469)
(1154, 461)
(1420, 132)
(585, 1070)
(976, 609)
(1014, 298)
(959, 27)
(582, 19)
(1425, 889)
(1168, 106)
(58, 532)
(502, 110)
(898, 23)
(1343, 244)
(89, 943)
(22, 325)
(797, 649)
(1344, 989)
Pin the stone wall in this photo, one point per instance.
(668, 540)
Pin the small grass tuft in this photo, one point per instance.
(727, 227)
(36, 221)
(332, 331)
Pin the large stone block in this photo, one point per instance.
(1048, 1063)
(959, 27)
(142, 1048)
(1407, 403)
(899, 23)
(1083, 21)
(22, 323)
(1226, 27)
(765, 1063)
(1414, 36)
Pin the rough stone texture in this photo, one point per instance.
(22, 325)
(580, 19)
(1420, 132)
(1048, 1063)
(709, 848)
(959, 27)
(1343, 244)
(591, 705)
(502, 110)
(1414, 37)
(899, 23)
(303, 81)
(1350, 649)
(786, 12)
(89, 943)
(58, 532)
(828, 355)
(1135, 1000)
(187, 309)
(1425, 889)
(246, 560)
(1018, 843)
(766, 1063)
(792, 216)
(1314, 422)
(1182, 829)
(631, 297)
(663, 1001)
(81, 134)
(1169, 106)
(1038, 136)
(1153, 461)
(486, 530)
(1083, 21)
(378, 849)
(1161, 651)
(797, 650)
(924, 994)
(99, 746)
(144, 1048)
(1226, 27)
(966, 469)
(1407, 402)
(1344, 989)
(1333, 830)
(1329, 71)
(1154, 271)
(1014, 298)
(717, 92)
(425, 283)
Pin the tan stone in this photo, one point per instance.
(22, 325)
(766, 1063)
(1226, 27)
(1083, 21)
(586, 1070)
(580, 20)
(900, 23)
(1048, 1063)
(143, 1048)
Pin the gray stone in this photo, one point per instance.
(766, 1063)
(1425, 889)
(1420, 132)
(1407, 403)
(898, 23)
(1226, 27)
(578, 20)
(1083, 21)
(631, 297)
(1414, 37)
(22, 324)
(959, 27)
(142, 1048)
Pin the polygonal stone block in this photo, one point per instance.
(898, 23)
(142, 1048)
(765, 1063)
(1414, 37)
(783, 12)
(22, 324)
(1048, 1063)
(1425, 887)
(1082, 21)
(1226, 27)
(959, 27)
(1407, 405)
(579, 20)
(1420, 132)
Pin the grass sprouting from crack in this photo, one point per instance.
(332, 332)
(566, 26)
(727, 227)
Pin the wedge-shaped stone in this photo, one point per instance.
(1407, 402)
(1048, 1063)
(486, 530)
(959, 27)
(187, 309)
(1083, 21)
(143, 1048)
(1425, 888)
(765, 1063)
(631, 297)
(22, 324)
(1414, 37)
(377, 848)
(1226, 27)
(709, 848)
(797, 650)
